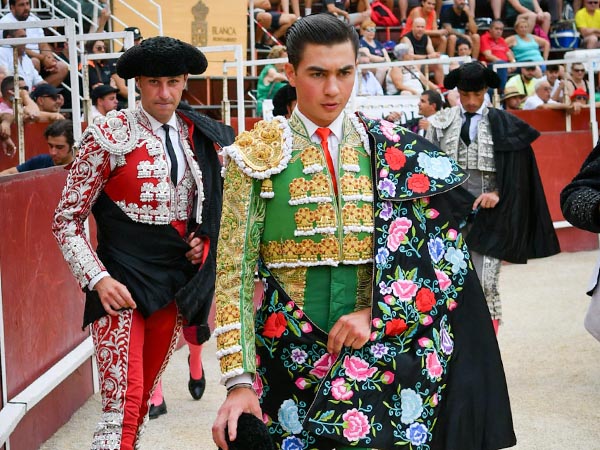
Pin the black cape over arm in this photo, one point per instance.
(519, 227)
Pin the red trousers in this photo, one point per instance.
(131, 353)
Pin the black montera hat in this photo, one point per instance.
(252, 434)
(161, 56)
(472, 76)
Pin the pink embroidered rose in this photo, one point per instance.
(387, 128)
(432, 213)
(341, 390)
(434, 368)
(306, 327)
(426, 320)
(257, 385)
(389, 300)
(383, 173)
(434, 399)
(356, 425)
(358, 369)
(443, 279)
(298, 314)
(322, 365)
(301, 383)
(377, 322)
(387, 377)
(452, 305)
(452, 234)
(425, 342)
(397, 232)
(405, 290)
(289, 306)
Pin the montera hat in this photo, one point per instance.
(161, 56)
(470, 77)
(252, 434)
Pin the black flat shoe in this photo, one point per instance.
(157, 410)
(196, 387)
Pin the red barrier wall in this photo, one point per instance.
(555, 120)
(42, 303)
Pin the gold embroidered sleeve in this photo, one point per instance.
(239, 241)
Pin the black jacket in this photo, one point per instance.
(519, 227)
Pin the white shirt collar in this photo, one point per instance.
(478, 112)
(335, 126)
(156, 125)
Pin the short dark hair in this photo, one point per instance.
(7, 84)
(463, 41)
(552, 67)
(63, 127)
(500, 21)
(12, 2)
(89, 45)
(434, 98)
(9, 33)
(319, 29)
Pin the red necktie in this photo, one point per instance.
(324, 133)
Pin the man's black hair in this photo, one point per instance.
(318, 29)
(7, 84)
(496, 21)
(434, 98)
(552, 68)
(8, 33)
(62, 127)
(461, 41)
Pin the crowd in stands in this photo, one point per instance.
(509, 31)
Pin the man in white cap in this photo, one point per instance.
(151, 177)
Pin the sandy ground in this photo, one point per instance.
(552, 367)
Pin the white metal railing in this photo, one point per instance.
(158, 24)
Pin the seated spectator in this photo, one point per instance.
(459, 21)
(366, 82)
(52, 71)
(104, 100)
(377, 52)
(526, 46)
(94, 20)
(59, 136)
(30, 110)
(581, 97)
(271, 78)
(406, 80)
(49, 101)
(354, 12)
(274, 21)
(439, 37)
(421, 47)
(99, 71)
(284, 101)
(26, 68)
(552, 75)
(524, 81)
(587, 20)
(430, 103)
(576, 80)
(494, 49)
(463, 48)
(512, 99)
(542, 99)
(529, 10)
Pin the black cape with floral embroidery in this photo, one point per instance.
(431, 378)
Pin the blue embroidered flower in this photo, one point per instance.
(456, 258)
(384, 288)
(386, 210)
(378, 350)
(412, 406)
(298, 356)
(386, 186)
(436, 249)
(382, 255)
(417, 434)
(292, 443)
(288, 417)
(439, 167)
(447, 344)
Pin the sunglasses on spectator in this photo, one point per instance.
(578, 70)
(53, 97)
(592, 3)
(581, 97)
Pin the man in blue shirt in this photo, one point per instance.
(59, 136)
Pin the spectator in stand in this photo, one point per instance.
(99, 71)
(494, 49)
(376, 50)
(524, 81)
(104, 100)
(512, 99)
(49, 100)
(366, 82)
(542, 99)
(580, 97)
(31, 111)
(26, 68)
(463, 48)
(354, 12)
(459, 21)
(274, 21)
(529, 10)
(430, 103)
(526, 46)
(421, 47)
(43, 60)
(587, 20)
(59, 136)
(576, 80)
(406, 80)
(439, 38)
(119, 82)
(552, 75)
(94, 19)
(271, 78)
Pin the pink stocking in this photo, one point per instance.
(195, 361)
(157, 395)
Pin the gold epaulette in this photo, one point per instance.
(263, 151)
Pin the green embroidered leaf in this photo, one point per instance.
(385, 308)
(327, 415)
